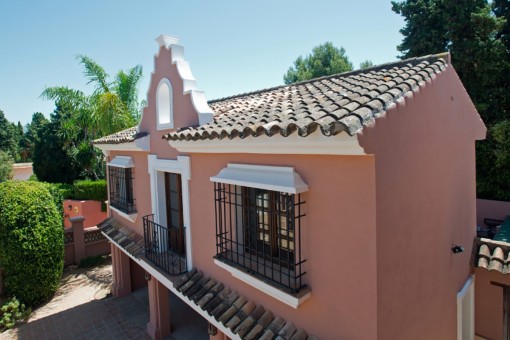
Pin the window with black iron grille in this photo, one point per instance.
(121, 189)
(260, 231)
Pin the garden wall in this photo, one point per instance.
(83, 242)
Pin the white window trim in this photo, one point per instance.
(170, 125)
(274, 178)
(293, 301)
(130, 217)
(180, 166)
(467, 292)
(122, 162)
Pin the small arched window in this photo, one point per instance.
(164, 105)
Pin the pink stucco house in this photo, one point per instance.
(335, 208)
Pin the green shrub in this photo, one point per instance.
(6, 162)
(12, 312)
(59, 192)
(91, 190)
(31, 241)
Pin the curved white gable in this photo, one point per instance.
(205, 113)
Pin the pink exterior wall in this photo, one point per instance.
(498, 210)
(338, 236)
(425, 173)
(91, 210)
(489, 303)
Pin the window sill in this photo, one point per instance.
(130, 217)
(292, 300)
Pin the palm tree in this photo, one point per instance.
(113, 106)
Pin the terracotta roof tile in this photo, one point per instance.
(492, 255)
(236, 312)
(242, 316)
(124, 136)
(344, 102)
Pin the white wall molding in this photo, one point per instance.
(129, 217)
(290, 300)
(275, 178)
(313, 144)
(122, 162)
(182, 166)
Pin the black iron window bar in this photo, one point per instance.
(259, 231)
(164, 246)
(121, 189)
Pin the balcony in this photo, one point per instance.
(165, 247)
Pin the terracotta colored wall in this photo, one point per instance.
(69, 254)
(91, 210)
(489, 303)
(97, 248)
(498, 210)
(137, 276)
(425, 173)
(22, 172)
(338, 238)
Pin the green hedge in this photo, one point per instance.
(31, 241)
(91, 190)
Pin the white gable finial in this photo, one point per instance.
(167, 40)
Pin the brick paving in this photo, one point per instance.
(82, 309)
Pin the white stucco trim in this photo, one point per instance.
(155, 273)
(129, 217)
(122, 162)
(275, 178)
(314, 144)
(466, 302)
(139, 144)
(288, 299)
(182, 166)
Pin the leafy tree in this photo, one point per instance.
(27, 142)
(475, 32)
(9, 136)
(325, 59)
(51, 161)
(366, 64)
(5, 166)
(31, 241)
(112, 106)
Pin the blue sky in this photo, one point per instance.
(233, 46)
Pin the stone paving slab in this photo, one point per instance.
(82, 309)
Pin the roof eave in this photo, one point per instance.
(314, 144)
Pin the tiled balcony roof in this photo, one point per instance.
(124, 136)
(343, 102)
(492, 255)
(242, 316)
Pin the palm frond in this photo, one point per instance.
(95, 73)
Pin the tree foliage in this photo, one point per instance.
(80, 118)
(9, 136)
(5, 166)
(325, 59)
(366, 64)
(31, 241)
(475, 32)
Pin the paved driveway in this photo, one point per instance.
(82, 309)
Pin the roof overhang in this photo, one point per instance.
(314, 144)
(140, 144)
